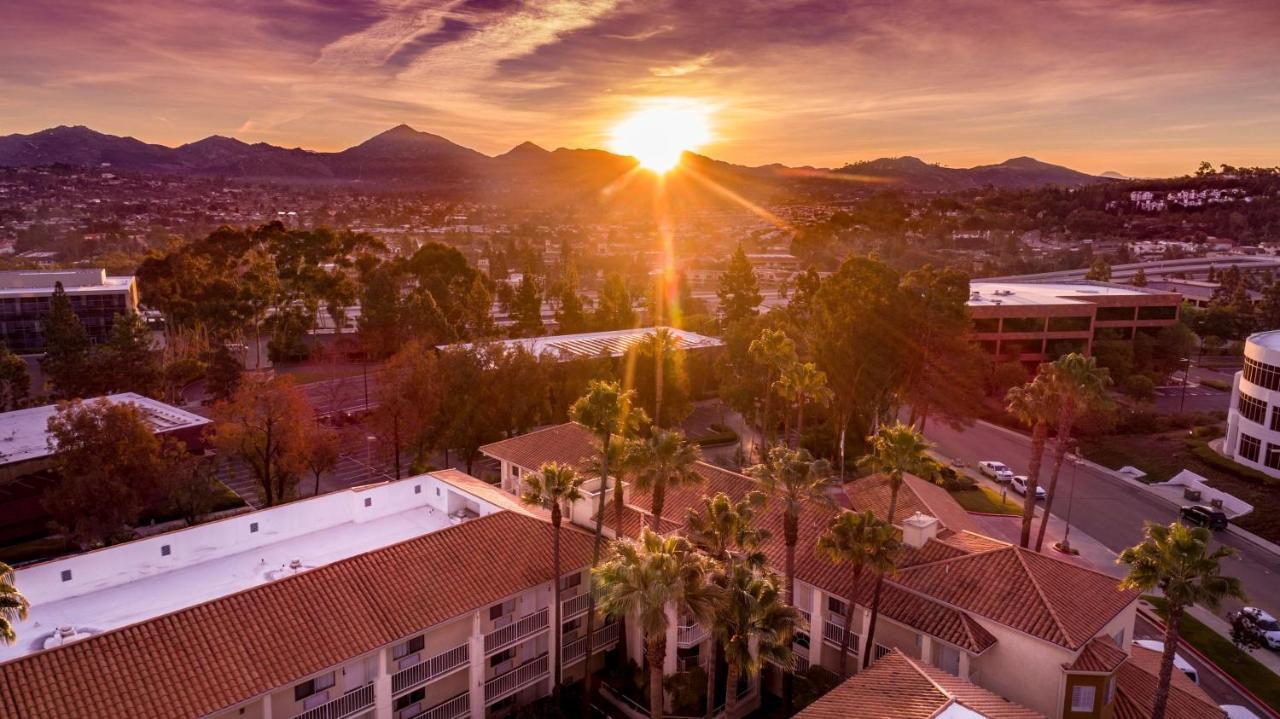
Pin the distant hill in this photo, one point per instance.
(1113, 175)
(405, 157)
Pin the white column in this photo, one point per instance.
(553, 653)
(266, 707)
(475, 668)
(964, 666)
(926, 649)
(382, 690)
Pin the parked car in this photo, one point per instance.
(998, 471)
(1179, 661)
(1203, 516)
(1267, 623)
(1019, 484)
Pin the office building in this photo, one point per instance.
(96, 298)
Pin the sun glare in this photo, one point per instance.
(657, 136)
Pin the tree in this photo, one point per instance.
(407, 400)
(1176, 560)
(607, 411)
(794, 478)
(614, 310)
(66, 347)
(665, 461)
(13, 606)
(477, 310)
(801, 383)
(109, 464)
(641, 579)
(526, 308)
(661, 378)
(268, 426)
(1246, 633)
(724, 531)
(192, 489)
(1139, 278)
(225, 373)
(882, 562)
(323, 453)
(1033, 405)
(1079, 386)
(128, 362)
(777, 353)
(739, 292)
(755, 624)
(15, 381)
(945, 366)
(1099, 271)
(552, 487)
(863, 542)
(896, 450)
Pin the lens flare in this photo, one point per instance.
(658, 136)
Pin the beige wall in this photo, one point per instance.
(1022, 668)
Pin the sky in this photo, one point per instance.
(1143, 88)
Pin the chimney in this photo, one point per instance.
(918, 529)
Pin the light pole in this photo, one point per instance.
(1186, 377)
(368, 454)
(1074, 457)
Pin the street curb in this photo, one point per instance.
(1184, 644)
(1246, 535)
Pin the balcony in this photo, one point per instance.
(506, 636)
(801, 661)
(424, 672)
(458, 706)
(573, 606)
(343, 706)
(690, 635)
(833, 634)
(576, 649)
(808, 619)
(508, 683)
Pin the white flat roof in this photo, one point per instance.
(136, 581)
(24, 433)
(1048, 293)
(1269, 339)
(614, 343)
(74, 281)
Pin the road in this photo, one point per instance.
(1108, 508)
(1212, 681)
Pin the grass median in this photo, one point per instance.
(987, 501)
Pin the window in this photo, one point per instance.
(571, 625)
(1023, 324)
(570, 581)
(1275, 418)
(501, 609)
(66, 575)
(1110, 692)
(502, 656)
(1115, 314)
(1082, 697)
(986, 324)
(1254, 410)
(1262, 374)
(1249, 447)
(413, 646)
(835, 606)
(515, 471)
(1163, 312)
(312, 686)
(1070, 324)
(1272, 459)
(802, 639)
(410, 699)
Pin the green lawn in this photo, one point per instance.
(987, 501)
(1250, 672)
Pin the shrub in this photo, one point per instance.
(1140, 387)
(1203, 452)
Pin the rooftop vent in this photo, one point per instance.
(918, 529)
(65, 634)
(975, 295)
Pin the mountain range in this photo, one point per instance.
(407, 158)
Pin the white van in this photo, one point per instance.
(1178, 661)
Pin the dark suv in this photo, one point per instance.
(1203, 516)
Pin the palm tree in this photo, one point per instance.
(1079, 385)
(1177, 561)
(13, 606)
(754, 625)
(801, 383)
(863, 542)
(776, 351)
(552, 487)
(1033, 405)
(665, 461)
(641, 579)
(622, 458)
(607, 411)
(663, 343)
(795, 478)
(895, 450)
(723, 530)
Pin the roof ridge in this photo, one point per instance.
(540, 430)
(1017, 552)
(960, 557)
(947, 694)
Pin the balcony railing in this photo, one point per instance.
(458, 706)
(879, 652)
(423, 672)
(576, 649)
(510, 682)
(833, 633)
(573, 606)
(686, 664)
(514, 632)
(801, 661)
(808, 619)
(343, 706)
(690, 635)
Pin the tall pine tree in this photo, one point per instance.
(739, 292)
(66, 347)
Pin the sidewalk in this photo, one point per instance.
(1265, 656)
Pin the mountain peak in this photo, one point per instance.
(526, 149)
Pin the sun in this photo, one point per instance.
(657, 136)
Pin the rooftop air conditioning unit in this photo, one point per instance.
(975, 295)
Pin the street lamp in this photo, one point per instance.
(1186, 377)
(368, 454)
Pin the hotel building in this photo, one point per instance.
(95, 297)
(1253, 421)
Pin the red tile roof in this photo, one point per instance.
(1100, 655)
(214, 655)
(1045, 597)
(896, 687)
(916, 495)
(569, 443)
(1136, 687)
